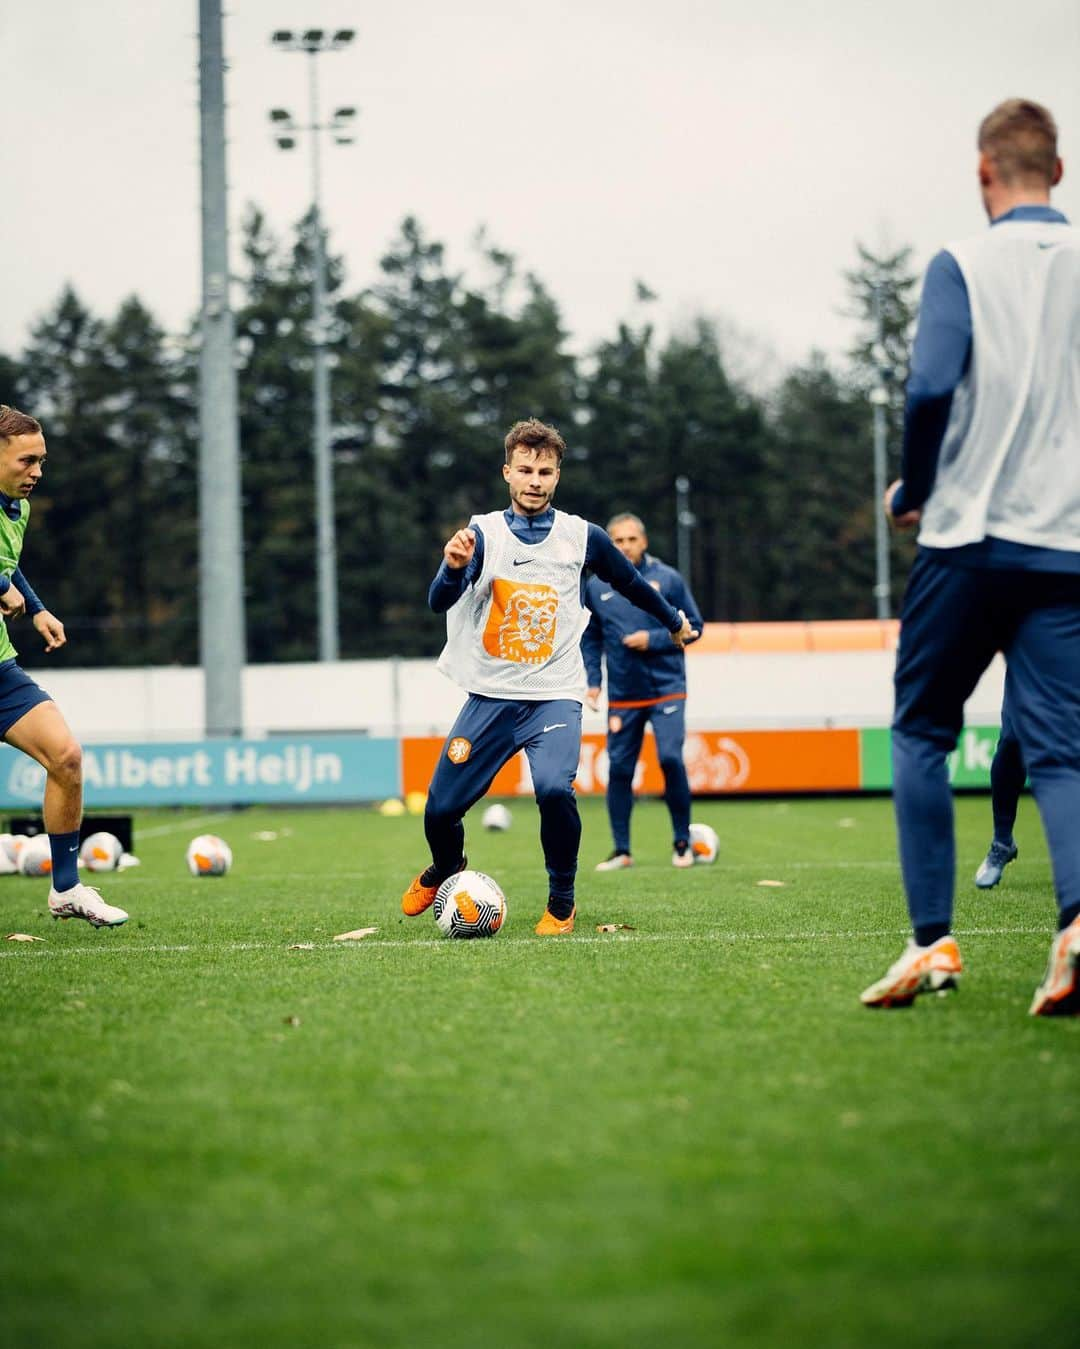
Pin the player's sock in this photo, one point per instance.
(560, 836)
(677, 796)
(561, 906)
(620, 801)
(928, 933)
(446, 839)
(65, 860)
(1068, 915)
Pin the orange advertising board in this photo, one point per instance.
(716, 762)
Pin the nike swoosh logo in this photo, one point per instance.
(608, 595)
(1052, 244)
(555, 727)
(521, 561)
(668, 711)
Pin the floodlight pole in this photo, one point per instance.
(325, 540)
(221, 566)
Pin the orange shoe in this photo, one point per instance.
(1059, 992)
(550, 926)
(422, 891)
(921, 969)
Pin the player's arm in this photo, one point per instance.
(939, 359)
(592, 648)
(463, 560)
(46, 623)
(12, 603)
(682, 599)
(608, 563)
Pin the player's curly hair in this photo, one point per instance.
(16, 423)
(534, 434)
(1020, 137)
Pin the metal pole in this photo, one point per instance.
(883, 584)
(684, 522)
(221, 567)
(326, 544)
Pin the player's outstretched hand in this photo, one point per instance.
(685, 634)
(459, 549)
(51, 629)
(12, 604)
(909, 519)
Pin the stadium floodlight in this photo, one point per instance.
(311, 42)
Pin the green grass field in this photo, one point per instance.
(687, 1134)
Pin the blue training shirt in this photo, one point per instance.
(643, 677)
(940, 356)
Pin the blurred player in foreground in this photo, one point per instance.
(1007, 777)
(29, 719)
(511, 586)
(991, 473)
(646, 683)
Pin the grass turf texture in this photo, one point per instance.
(688, 1134)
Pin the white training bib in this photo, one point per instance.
(516, 631)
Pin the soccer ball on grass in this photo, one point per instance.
(704, 842)
(100, 852)
(208, 855)
(35, 857)
(469, 904)
(496, 817)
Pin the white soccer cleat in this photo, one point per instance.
(83, 901)
(1059, 992)
(921, 969)
(683, 856)
(616, 862)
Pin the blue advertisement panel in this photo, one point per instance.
(285, 770)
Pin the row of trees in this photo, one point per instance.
(430, 368)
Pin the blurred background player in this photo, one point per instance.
(29, 719)
(991, 472)
(511, 585)
(646, 684)
(1007, 777)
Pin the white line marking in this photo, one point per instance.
(158, 829)
(119, 947)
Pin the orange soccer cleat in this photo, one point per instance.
(550, 926)
(422, 890)
(921, 969)
(1059, 992)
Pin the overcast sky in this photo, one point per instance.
(728, 154)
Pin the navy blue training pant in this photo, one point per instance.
(488, 732)
(953, 621)
(624, 747)
(1008, 773)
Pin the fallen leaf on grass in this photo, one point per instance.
(291, 1020)
(845, 823)
(22, 936)
(301, 946)
(357, 934)
(776, 885)
(615, 927)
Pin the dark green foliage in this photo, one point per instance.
(429, 367)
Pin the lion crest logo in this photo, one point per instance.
(521, 624)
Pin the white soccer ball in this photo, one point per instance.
(100, 852)
(496, 817)
(704, 842)
(35, 857)
(8, 865)
(469, 904)
(208, 855)
(11, 845)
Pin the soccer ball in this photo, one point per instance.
(496, 817)
(100, 852)
(469, 904)
(704, 842)
(208, 855)
(11, 845)
(35, 857)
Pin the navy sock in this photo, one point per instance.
(928, 933)
(1067, 915)
(65, 860)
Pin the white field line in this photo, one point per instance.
(157, 830)
(116, 945)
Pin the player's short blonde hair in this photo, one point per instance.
(534, 434)
(16, 423)
(1020, 137)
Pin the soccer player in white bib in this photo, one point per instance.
(29, 719)
(511, 585)
(991, 474)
